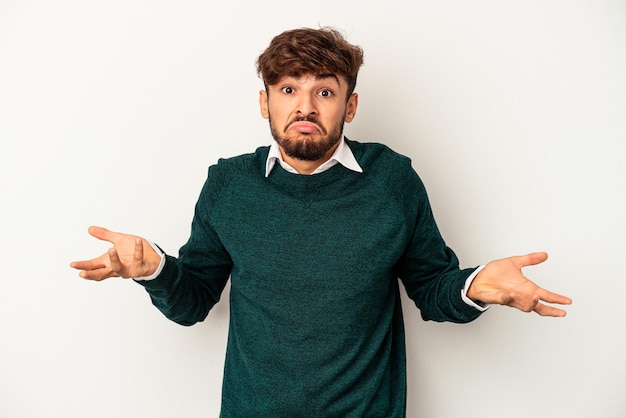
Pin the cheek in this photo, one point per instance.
(278, 111)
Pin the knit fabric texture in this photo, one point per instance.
(315, 262)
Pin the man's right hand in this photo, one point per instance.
(130, 256)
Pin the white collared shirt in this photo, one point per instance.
(342, 155)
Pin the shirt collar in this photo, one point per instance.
(342, 155)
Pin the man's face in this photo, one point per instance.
(307, 114)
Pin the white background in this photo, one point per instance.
(514, 114)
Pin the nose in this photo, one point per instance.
(306, 105)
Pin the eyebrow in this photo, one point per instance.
(328, 75)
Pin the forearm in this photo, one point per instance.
(180, 295)
(439, 298)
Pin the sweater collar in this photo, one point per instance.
(342, 155)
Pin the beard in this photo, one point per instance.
(304, 147)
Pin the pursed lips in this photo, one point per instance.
(304, 127)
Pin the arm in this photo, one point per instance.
(502, 282)
(187, 287)
(428, 268)
(184, 294)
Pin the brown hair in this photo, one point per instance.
(303, 51)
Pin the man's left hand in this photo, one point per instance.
(502, 282)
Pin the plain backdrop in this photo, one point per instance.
(513, 113)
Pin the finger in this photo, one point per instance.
(531, 259)
(116, 264)
(96, 275)
(94, 264)
(552, 297)
(95, 269)
(545, 310)
(103, 234)
(138, 254)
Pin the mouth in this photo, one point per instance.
(304, 127)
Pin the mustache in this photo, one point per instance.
(311, 119)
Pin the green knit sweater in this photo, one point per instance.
(316, 324)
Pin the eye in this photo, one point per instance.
(325, 93)
(287, 90)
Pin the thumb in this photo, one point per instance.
(103, 234)
(530, 259)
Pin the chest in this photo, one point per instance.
(298, 235)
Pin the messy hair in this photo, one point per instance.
(304, 51)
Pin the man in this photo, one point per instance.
(314, 232)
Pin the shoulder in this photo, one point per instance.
(251, 163)
(381, 162)
(233, 171)
(366, 152)
(247, 166)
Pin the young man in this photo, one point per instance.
(314, 232)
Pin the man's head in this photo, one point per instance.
(305, 51)
(309, 77)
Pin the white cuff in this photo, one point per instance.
(159, 268)
(468, 282)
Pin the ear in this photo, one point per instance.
(265, 112)
(353, 103)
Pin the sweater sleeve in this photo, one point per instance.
(190, 285)
(428, 268)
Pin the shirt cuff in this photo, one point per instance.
(159, 268)
(468, 282)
